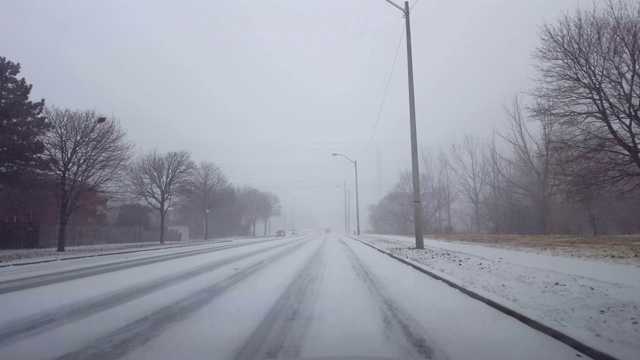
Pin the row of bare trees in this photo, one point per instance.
(170, 180)
(394, 213)
(259, 206)
(511, 183)
(567, 159)
(88, 157)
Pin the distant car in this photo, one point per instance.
(280, 233)
(294, 232)
(327, 231)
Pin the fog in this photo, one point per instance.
(268, 90)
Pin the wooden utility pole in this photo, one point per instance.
(417, 202)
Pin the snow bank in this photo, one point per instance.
(593, 301)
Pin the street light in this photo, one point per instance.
(355, 164)
(417, 203)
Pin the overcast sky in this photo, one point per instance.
(269, 89)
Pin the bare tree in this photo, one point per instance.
(436, 190)
(393, 214)
(521, 193)
(270, 206)
(253, 203)
(471, 171)
(160, 180)
(207, 188)
(496, 202)
(448, 194)
(430, 196)
(532, 158)
(85, 153)
(588, 64)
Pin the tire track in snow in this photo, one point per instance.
(123, 340)
(396, 322)
(283, 329)
(42, 280)
(40, 323)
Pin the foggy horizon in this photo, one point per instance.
(268, 90)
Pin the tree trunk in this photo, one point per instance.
(593, 221)
(254, 227)
(544, 214)
(206, 227)
(476, 206)
(265, 227)
(63, 231)
(64, 215)
(162, 214)
(449, 227)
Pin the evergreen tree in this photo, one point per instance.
(21, 123)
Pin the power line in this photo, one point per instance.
(414, 4)
(330, 144)
(314, 177)
(329, 186)
(386, 90)
(289, 164)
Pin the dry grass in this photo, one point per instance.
(615, 247)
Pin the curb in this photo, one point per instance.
(564, 338)
(107, 254)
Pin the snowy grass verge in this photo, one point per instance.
(592, 302)
(619, 249)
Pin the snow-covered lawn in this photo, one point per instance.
(595, 301)
(17, 256)
(619, 249)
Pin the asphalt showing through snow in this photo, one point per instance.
(319, 295)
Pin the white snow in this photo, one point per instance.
(220, 328)
(29, 256)
(596, 302)
(21, 256)
(347, 318)
(31, 302)
(351, 308)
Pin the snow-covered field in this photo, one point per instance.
(595, 301)
(314, 296)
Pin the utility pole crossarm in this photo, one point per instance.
(394, 4)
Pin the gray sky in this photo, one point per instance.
(269, 89)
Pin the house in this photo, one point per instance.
(36, 204)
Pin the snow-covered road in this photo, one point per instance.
(318, 295)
